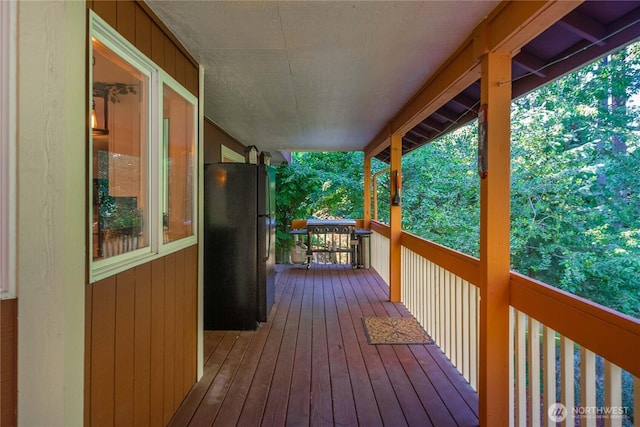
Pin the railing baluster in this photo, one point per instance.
(459, 327)
(549, 349)
(636, 399)
(534, 372)
(521, 369)
(430, 296)
(587, 384)
(475, 337)
(512, 401)
(612, 393)
(567, 378)
(466, 331)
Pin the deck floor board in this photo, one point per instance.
(311, 364)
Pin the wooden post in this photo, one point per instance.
(494, 381)
(395, 221)
(367, 192)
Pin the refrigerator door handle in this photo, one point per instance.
(268, 215)
(268, 218)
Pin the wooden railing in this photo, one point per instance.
(380, 249)
(572, 358)
(448, 310)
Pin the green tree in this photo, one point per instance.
(319, 185)
(575, 180)
(440, 195)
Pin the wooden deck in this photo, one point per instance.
(311, 364)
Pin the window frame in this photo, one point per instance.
(103, 268)
(165, 79)
(8, 58)
(227, 155)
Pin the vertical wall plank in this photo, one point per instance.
(181, 68)
(191, 315)
(107, 10)
(143, 31)
(126, 19)
(103, 327)
(156, 397)
(142, 351)
(157, 45)
(88, 313)
(169, 57)
(169, 335)
(124, 373)
(179, 327)
(8, 361)
(192, 78)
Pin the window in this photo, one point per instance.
(119, 127)
(229, 156)
(178, 131)
(7, 147)
(143, 157)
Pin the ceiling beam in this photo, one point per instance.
(530, 63)
(466, 102)
(433, 124)
(584, 27)
(426, 129)
(447, 114)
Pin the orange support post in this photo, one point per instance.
(494, 381)
(395, 221)
(367, 192)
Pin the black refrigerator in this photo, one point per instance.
(239, 245)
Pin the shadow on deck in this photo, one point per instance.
(311, 363)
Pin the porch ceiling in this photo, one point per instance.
(329, 75)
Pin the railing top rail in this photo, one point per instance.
(460, 264)
(380, 228)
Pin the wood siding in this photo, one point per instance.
(141, 342)
(141, 324)
(136, 22)
(8, 361)
(214, 138)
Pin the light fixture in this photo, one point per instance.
(94, 117)
(96, 130)
(265, 158)
(252, 154)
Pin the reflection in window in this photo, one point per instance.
(178, 160)
(119, 121)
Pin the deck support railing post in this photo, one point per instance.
(367, 192)
(494, 169)
(395, 220)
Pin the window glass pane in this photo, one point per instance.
(178, 160)
(119, 121)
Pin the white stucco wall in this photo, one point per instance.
(51, 191)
